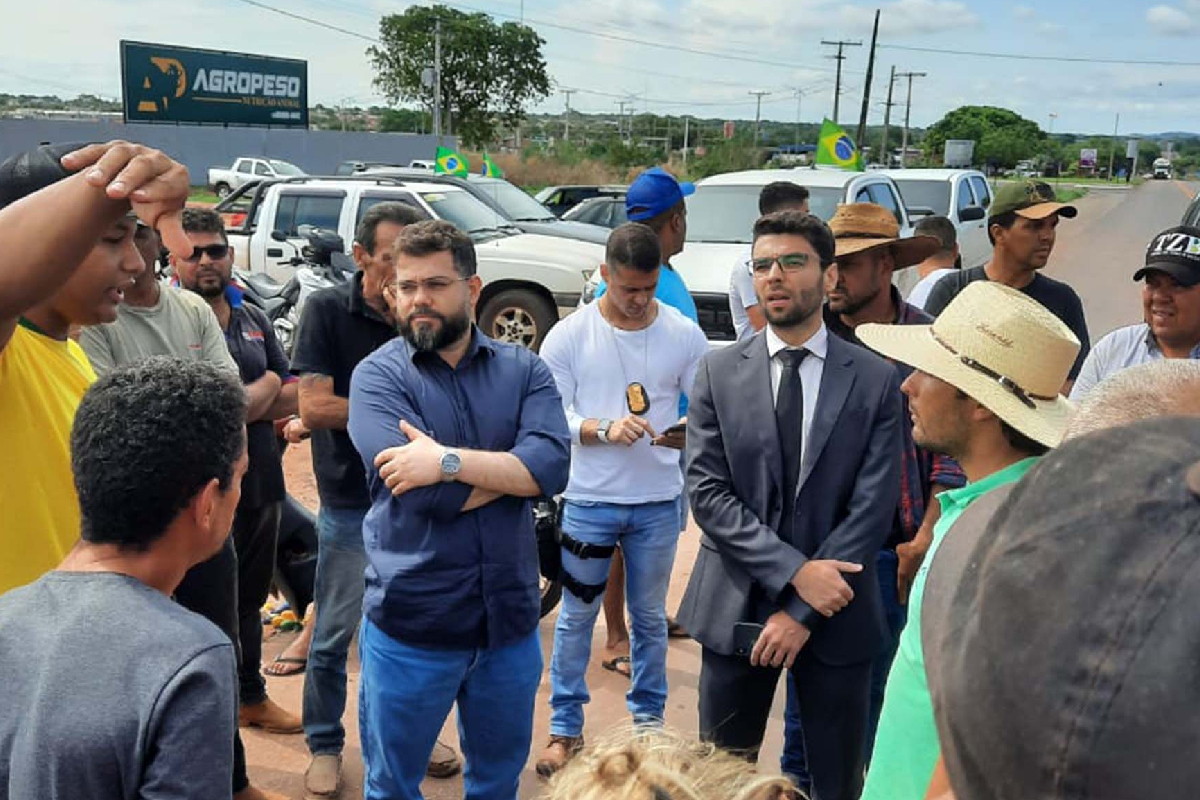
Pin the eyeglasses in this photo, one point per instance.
(788, 262)
(215, 252)
(431, 285)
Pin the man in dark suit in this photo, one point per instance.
(793, 469)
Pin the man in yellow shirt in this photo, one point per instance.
(67, 217)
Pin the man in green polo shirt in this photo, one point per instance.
(985, 392)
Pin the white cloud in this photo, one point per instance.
(904, 17)
(1026, 12)
(1047, 28)
(1170, 20)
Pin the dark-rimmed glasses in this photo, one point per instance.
(788, 262)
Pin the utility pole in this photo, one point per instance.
(839, 58)
(887, 119)
(567, 128)
(1112, 148)
(861, 139)
(757, 112)
(1050, 134)
(685, 139)
(799, 97)
(907, 112)
(437, 78)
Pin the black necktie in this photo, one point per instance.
(789, 422)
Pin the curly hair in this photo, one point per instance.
(657, 764)
(204, 220)
(146, 439)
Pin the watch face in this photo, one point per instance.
(451, 463)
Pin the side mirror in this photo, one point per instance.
(279, 236)
(972, 214)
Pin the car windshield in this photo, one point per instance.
(933, 194)
(516, 203)
(727, 213)
(466, 212)
(284, 168)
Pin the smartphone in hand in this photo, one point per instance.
(745, 636)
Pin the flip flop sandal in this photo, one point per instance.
(677, 631)
(615, 664)
(298, 669)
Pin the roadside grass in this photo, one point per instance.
(1069, 193)
(201, 194)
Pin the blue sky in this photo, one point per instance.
(72, 47)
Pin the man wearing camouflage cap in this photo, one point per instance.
(1170, 326)
(1021, 226)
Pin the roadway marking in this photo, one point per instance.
(1188, 191)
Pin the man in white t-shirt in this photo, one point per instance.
(748, 318)
(938, 265)
(621, 365)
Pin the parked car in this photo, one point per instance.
(961, 195)
(1191, 216)
(529, 281)
(355, 167)
(561, 199)
(225, 181)
(721, 217)
(607, 212)
(511, 202)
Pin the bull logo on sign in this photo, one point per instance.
(167, 81)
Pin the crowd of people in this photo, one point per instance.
(975, 585)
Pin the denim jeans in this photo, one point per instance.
(648, 535)
(793, 762)
(341, 561)
(406, 693)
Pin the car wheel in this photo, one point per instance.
(223, 190)
(518, 316)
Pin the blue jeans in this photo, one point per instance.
(793, 761)
(648, 535)
(341, 561)
(406, 693)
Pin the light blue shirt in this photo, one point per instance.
(742, 296)
(1121, 349)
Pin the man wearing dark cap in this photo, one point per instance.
(1069, 666)
(1170, 326)
(1021, 226)
(67, 218)
(984, 392)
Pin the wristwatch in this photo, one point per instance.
(451, 464)
(602, 430)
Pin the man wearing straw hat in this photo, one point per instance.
(985, 391)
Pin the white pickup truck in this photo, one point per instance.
(226, 181)
(529, 280)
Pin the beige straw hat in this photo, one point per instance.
(998, 346)
(864, 226)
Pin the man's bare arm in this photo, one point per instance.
(285, 404)
(261, 395)
(501, 473)
(320, 408)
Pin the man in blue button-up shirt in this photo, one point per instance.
(457, 433)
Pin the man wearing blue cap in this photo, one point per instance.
(655, 199)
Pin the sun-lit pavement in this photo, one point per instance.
(1097, 253)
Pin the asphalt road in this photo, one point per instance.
(1097, 253)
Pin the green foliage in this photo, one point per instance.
(489, 71)
(405, 120)
(730, 156)
(1002, 137)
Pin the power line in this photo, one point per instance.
(841, 44)
(1027, 57)
(313, 21)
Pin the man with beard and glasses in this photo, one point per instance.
(457, 433)
(208, 271)
(794, 445)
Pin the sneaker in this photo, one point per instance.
(323, 777)
(558, 752)
(269, 716)
(444, 762)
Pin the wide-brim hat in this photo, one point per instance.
(858, 227)
(999, 347)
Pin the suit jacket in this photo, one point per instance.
(847, 493)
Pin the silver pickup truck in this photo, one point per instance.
(225, 181)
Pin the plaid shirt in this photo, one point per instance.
(919, 468)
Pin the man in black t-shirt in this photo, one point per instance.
(1021, 226)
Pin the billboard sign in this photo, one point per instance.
(163, 83)
(1087, 158)
(1131, 148)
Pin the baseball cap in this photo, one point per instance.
(1068, 668)
(1031, 199)
(652, 193)
(1175, 251)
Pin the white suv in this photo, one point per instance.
(960, 195)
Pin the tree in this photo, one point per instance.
(1002, 137)
(403, 120)
(489, 71)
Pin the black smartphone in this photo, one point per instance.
(679, 427)
(745, 635)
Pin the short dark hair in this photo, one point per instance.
(146, 439)
(635, 246)
(393, 211)
(797, 223)
(1005, 220)
(204, 220)
(1020, 442)
(779, 195)
(939, 228)
(659, 222)
(438, 236)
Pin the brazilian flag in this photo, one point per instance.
(490, 169)
(449, 162)
(836, 149)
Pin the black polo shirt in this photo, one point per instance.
(337, 330)
(253, 345)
